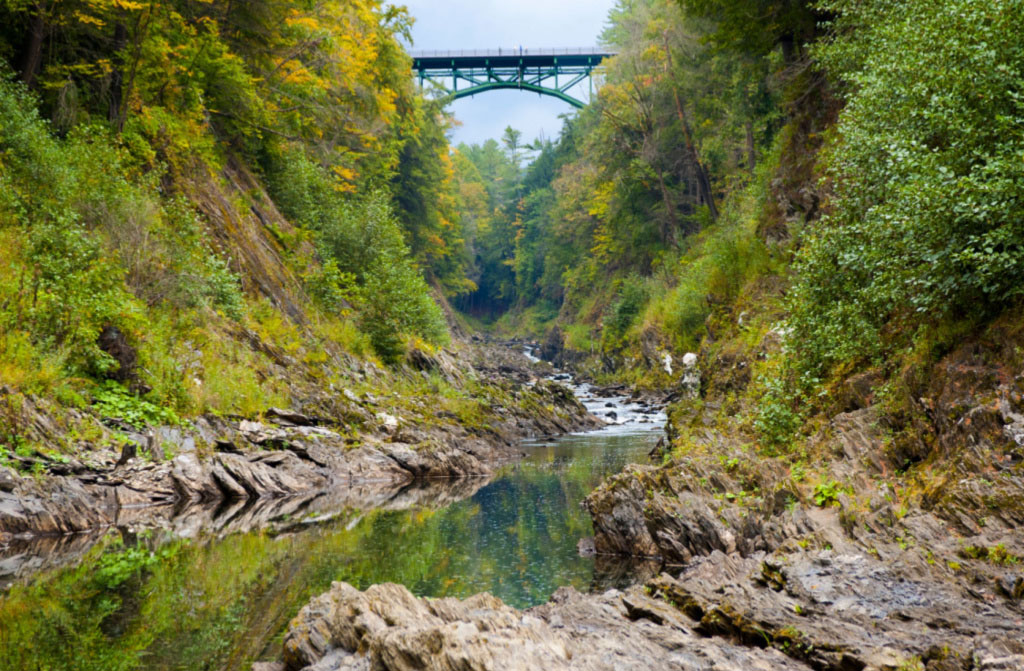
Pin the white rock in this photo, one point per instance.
(690, 381)
(388, 423)
(245, 426)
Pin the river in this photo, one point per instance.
(221, 598)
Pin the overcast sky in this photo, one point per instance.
(489, 24)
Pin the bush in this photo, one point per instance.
(631, 301)
(776, 422)
(827, 493)
(112, 400)
(359, 239)
(332, 289)
(928, 180)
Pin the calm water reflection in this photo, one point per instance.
(151, 602)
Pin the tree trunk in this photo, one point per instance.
(789, 52)
(33, 60)
(141, 28)
(703, 181)
(117, 75)
(668, 233)
(751, 149)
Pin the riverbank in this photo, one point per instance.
(863, 549)
(451, 414)
(242, 570)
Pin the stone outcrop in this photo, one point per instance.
(892, 542)
(839, 611)
(287, 453)
(387, 628)
(823, 610)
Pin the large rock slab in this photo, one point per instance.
(386, 628)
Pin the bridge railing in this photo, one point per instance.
(514, 51)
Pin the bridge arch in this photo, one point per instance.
(552, 72)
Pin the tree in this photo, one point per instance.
(924, 224)
(757, 27)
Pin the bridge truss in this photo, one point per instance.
(552, 72)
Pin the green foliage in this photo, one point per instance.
(789, 23)
(488, 183)
(425, 204)
(99, 247)
(393, 297)
(113, 401)
(997, 554)
(827, 493)
(928, 183)
(366, 259)
(329, 287)
(719, 263)
(150, 101)
(632, 298)
(776, 422)
(60, 287)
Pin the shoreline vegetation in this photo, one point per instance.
(238, 255)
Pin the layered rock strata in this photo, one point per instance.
(286, 454)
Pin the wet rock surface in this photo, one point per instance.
(286, 453)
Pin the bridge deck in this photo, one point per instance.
(508, 58)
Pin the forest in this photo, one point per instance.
(847, 177)
(160, 130)
(790, 172)
(244, 266)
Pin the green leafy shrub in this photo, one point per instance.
(776, 422)
(927, 175)
(826, 493)
(113, 401)
(329, 287)
(631, 301)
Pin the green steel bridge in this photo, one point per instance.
(552, 72)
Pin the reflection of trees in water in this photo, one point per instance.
(220, 600)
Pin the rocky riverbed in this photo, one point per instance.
(825, 610)
(242, 568)
(351, 440)
(890, 559)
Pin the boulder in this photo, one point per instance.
(386, 627)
